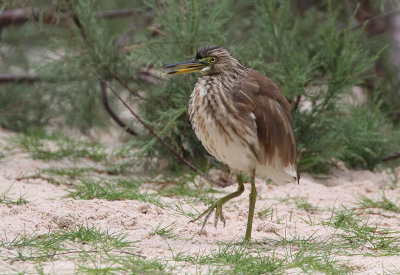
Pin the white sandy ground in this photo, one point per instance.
(49, 208)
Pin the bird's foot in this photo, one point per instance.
(218, 214)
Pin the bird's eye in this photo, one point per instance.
(213, 59)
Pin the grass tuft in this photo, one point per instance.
(306, 206)
(318, 263)
(19, 201)
(164, 232)
(57, 146)
(72, 172)
(124, 265)
(86, 238)
(265, 213)
(384, 203)
(183, 190)
(240, 260)
(112, 190)
(357, 233)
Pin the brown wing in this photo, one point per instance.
(262, 97)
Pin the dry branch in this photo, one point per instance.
(392, 157)
(10, 78)
(377, 24)
(21, 16)
(113, 115)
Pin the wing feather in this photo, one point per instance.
(262, 97)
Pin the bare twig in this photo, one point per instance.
(124, 84)
(382, 19)
(156, 30)
(39, 176)
(115, 14)
(128, 49)
(392, 157)
(15, 17)
(10, 78)
(113, 115)
(145, 75)
(296, 103)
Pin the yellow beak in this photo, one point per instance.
(185, 67)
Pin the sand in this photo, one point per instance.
(50, 209)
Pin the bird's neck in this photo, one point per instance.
(231, 77)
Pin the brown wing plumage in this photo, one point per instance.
(262, 97)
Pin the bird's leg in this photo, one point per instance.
(253, 197)
(218, 205)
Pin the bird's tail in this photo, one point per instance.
(279, 175)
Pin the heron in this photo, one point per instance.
(243, 120)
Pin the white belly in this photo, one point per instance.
(229, 150)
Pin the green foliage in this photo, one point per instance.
(21, 107)
(319, 71)
(68, 92)
(367, 136)
(56, 146)
(165, 105)
(315, 56)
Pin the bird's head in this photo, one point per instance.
(208, 60)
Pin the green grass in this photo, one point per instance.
(97, 251)
(300, 203)
(124, 265)
(183, 190)
(93, 250)
(165, 231)
(129, 189)
(112, 190)
(306, 206)
(19, 201)
(180, 209)
(383, 203)
(233, 259)
(241, 261)
(83, 239)
(58, 146)
(323, 262)
(378, 241)
(310, 255)
(265, 213)
(359, 233)
(72, 172)
(102, 252)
